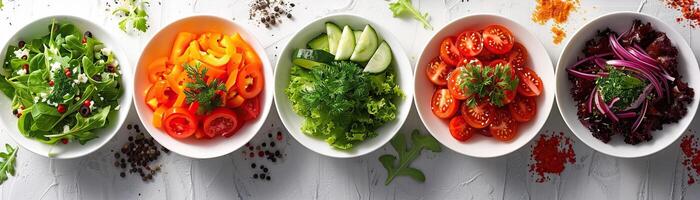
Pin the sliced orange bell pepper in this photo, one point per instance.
(158, 116)
(203, 41)
(173, 78)
(181, 41)
(157, 68)
(152, 103)
(232, 76)
(180, 101)
(214, 44)
(249, 54)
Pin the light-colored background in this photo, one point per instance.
(306, 175)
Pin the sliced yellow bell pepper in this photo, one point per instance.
(181, 41)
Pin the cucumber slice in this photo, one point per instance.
(310, 58)
(346, 44)
(366, 45)
(380, 60)
(319, 43)
(334, 33)
(357, 36)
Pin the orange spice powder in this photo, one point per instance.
(557, 11)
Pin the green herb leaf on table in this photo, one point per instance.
(406, 155)
(402, 6)
(7, 165)
(133, 11)
(207, 95)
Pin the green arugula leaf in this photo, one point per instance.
(7, 165)
(407, 155)
(134, 12)
(402, 6)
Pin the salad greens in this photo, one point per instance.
(133, 11)
(7, 165)
(63, 85)
(341, 103)
(402, 6)
(407, 155)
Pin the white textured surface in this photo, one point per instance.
(305, 175)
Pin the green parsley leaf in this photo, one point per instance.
(402, 6)
(205, 94)
(133, 11)
(620, 84)
(487, 82)
(407, 155)
(7, 165)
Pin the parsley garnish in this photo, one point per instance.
(205, 94)
(487, 82)
(619, 84)
(133, 10)
(7, 165)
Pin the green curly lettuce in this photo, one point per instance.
(342, 104)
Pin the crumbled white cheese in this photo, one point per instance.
(82, 78)
(19, 53)
(21, 72)
(55, 66)
(54, 51)
(43, 95)
(75, 70)
(66, 128)
(36, 99)
(115, 63)
(77, 98)
(117, 107)
(102, 98)
(106, 51)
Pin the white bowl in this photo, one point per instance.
(293, 122)
(160, 45)
(38, 28)
(621, 22)
(479, 146)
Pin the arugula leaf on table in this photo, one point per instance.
(7, 165)
(402, 6)
(1, 5)
(407, 155)
(133, 11)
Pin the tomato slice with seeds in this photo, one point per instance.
(221, 121)
(518, 56)
(478, 116)
(498, 39)
(496, 62)
(449, 52)
(503, 127)
(251, 108)
(442, 104)
(471, 60)
(523, 109)
(470, 43)
(454, 84)
(460, 130)
(179, 123)
(530, 84)
(437, 72)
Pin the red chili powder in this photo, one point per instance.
(550, 155)
(689, 8)
(691, 160)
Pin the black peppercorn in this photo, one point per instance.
(88, 34)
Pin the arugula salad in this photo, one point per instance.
(343, 85)
(64, 85)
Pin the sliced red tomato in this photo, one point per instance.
(251, 108)
(179, 123)
(523, 109)
(455, 82)
(503, 127)
(250, 82)
(530, 84)
(509, 96)
(459, 129)
(487, 56)
(221, 121)
(518, 56)
(472, 60)
(478, 116)
(449, 52)
(498, 39)
(442, 104)
(437, 72)
(470, 43)
(496, 62)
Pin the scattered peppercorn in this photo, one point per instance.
(140, 152)
(269, 12)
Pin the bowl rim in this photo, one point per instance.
(265, 108)
(691, 113)
(123, 61)
(467, 17)
(407, 100)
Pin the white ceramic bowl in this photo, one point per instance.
(38, 28)
(479, 146)
(293, 122)
(621, 22)
(160, 45)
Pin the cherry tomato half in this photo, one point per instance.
(498, 39)
(530, 84)
(503, 127)
(470, 43)
(478, 116)
(437, 72)
(455, 84)
(179, 123)
(523, 109)
(449, 52)
(518, 56)
(251, 108)
(442, 104)
(221, 121)
(459, 129)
